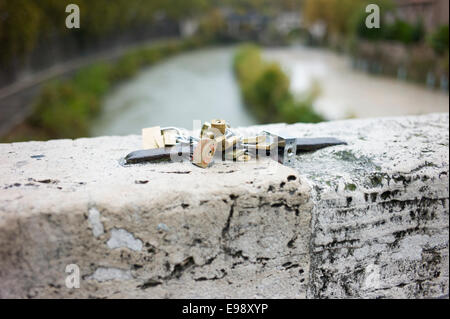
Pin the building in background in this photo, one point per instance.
(433, 13)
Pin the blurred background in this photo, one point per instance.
(140, 63)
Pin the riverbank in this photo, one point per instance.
(411, 42)
(65, 108)
(414, 63)
(346, 92)
(16, 99)
(266, 90)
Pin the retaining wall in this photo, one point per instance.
(366, 220)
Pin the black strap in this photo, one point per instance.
(313, 144)
(183, 151)
(166, 153)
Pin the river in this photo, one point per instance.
(200, 85)
(197, 85)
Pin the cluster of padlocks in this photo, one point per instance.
(217, 135)
(217, 141)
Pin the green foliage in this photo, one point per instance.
(400, 31)
(19, 25)
(212, 24)
(348, 17)
(358, 21)
(128, 65)
(405, 32)
(340, 15)
(439, 40)
(24, 22)
(265, 89)
(63, 109)
(94, 79)
(369, 34)
(267, 7)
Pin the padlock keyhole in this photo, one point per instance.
(290, 152)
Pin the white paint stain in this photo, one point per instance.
(122, 238)
(411, 248)
(105, 274)
(94, 221)
(373, 278)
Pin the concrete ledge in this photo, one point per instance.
(368, 220)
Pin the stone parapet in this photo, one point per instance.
(365, 220)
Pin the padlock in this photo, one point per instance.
(287, 146)
(261, 146)
(220, 145)
(170, 138)
(234, 154)
(152, 138)
(263, 142)
(210, 135)
(205, 127)
(220, 139)
(203, 153)
(220, 125)
(254, 139)
(231, 142)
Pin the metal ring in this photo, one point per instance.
(228, 133)
(171, 128)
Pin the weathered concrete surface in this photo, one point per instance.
(369, 219)
(160, 230)
(381, 214)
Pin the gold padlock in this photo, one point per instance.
(210, 135)
(230, 142)
(220, 144)
(220, 139)
(261, 146)
(260, 142)
(234, 154)
(203, 154)
(170, 138)
(220, 125)
(254, 139)
(205, 127)
(152, 138)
